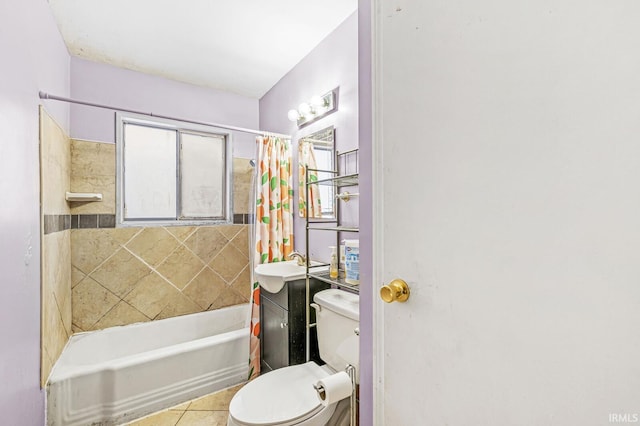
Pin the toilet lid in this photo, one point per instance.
(279, 397)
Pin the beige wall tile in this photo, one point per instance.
(99, 254)
(91, 247)
(55, 169)
(55, 165)
(92, 158)
(179, 305)
(121, 314)
(91, 302)
(181, 267)
(54, 337)
(242, 172)
(122, 235)
(228, 298)
(65, 306)
(229, 263)
(121, 273)
(56, 297)
(56, 277)
(93, 169)
(62, 282)
(105, 185)
(151, 295)
(230, 231)
(76, 275)
(46, 365)
(241, 199)
(241, 241)
(242, 284)
(181, 232)
(153, 245)
(206, 242)
(205, 288)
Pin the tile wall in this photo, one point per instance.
(125, 275)
(95, 275)
(55, 242)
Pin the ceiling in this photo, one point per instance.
(240, 46)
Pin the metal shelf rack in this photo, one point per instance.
(340, 179)
(321, 271)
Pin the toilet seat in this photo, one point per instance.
(282, 397)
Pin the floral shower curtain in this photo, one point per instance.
(273, 223)
(307, 159)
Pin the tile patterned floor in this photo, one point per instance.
(210, 410)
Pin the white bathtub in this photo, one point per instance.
(112, 376)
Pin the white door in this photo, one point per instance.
(507, 147)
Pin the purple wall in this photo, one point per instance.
(109, 85)
(34, 58)
(333, 63)
(342, 59)
(366, 212)
(40, 62)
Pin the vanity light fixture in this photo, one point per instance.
(317, 107)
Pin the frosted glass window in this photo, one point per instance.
(172, 173)
(150, 172)
(202, 185)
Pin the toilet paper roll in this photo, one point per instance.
(334, 388)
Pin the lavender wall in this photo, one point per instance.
(333, 63)
(34, 58)
(366, 208)
(109, 85)
(342, 59)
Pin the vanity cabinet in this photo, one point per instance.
(283, 325)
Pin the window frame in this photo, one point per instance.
(123, 118)
(328, 208)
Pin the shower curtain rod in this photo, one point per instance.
(44, 95)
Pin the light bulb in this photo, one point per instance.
(317, 101)
(293, 115)
(305, 109)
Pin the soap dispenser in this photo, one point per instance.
(333, 264)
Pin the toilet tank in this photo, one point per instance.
(337, 318)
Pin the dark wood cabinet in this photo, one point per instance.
(282, 325)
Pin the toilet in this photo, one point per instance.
(286, 396)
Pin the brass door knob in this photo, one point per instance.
(396, 291)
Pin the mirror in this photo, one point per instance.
(316, 152)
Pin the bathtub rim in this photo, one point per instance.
(66, 372)
(61, 371)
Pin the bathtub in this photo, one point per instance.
(115, 375)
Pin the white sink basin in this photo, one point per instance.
(272, 276)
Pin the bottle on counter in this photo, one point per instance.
(352, 262)
(333, 264)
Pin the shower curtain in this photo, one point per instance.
(307, 159)
(273, 223)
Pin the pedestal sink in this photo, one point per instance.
(272, 276)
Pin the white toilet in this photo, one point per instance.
(286, 396)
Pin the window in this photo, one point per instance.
(172, 173)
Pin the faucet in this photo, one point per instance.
(302, 261)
